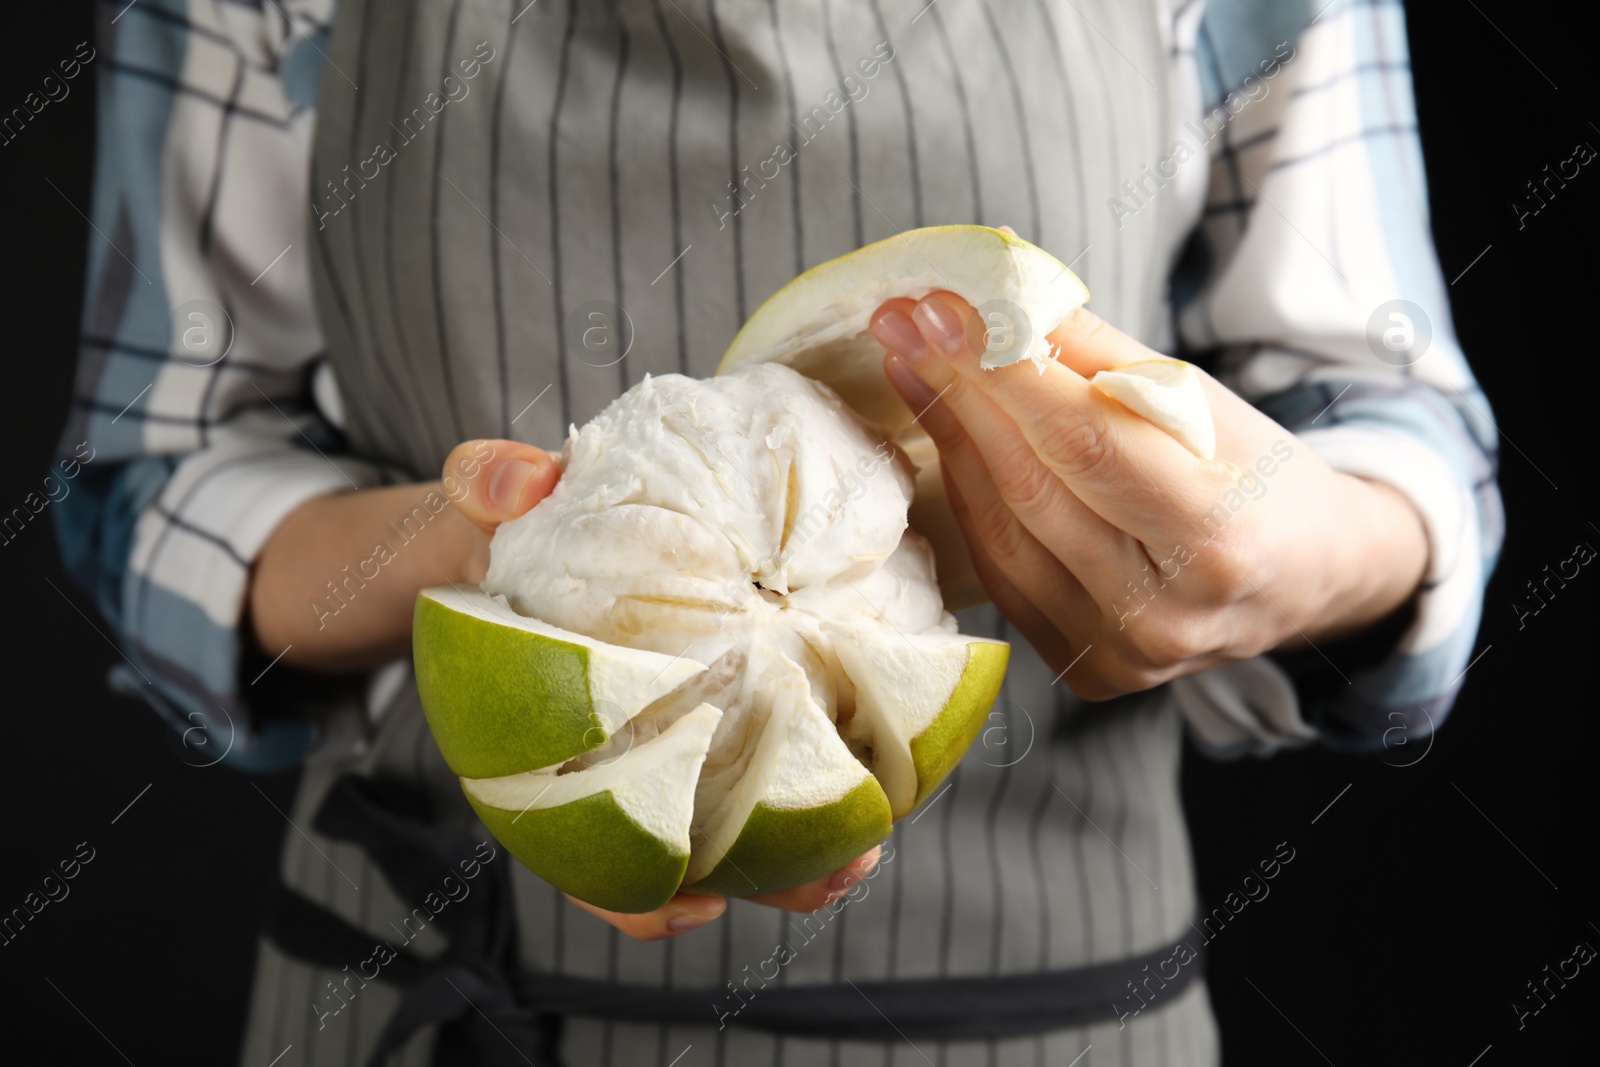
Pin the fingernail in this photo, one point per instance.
(917, 393)
(688, 921)
(938, 320)
(508, 482)
(900, 335)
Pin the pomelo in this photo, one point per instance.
(717, 657)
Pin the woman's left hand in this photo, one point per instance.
(1115, 550)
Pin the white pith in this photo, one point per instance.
(654, 784)
(901, 684)
(797, 761)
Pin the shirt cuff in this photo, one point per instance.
(1389, 688)
(184, 627)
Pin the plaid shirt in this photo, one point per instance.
(1315, 215)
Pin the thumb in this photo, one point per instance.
(496, 481)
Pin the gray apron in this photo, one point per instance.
(510, 196)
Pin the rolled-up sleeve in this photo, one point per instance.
(1313, 289)
(193, 415)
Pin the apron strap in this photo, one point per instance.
(466, 989)
(938, 1009)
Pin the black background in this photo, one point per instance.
(1401, 932)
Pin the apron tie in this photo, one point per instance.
(467, 990)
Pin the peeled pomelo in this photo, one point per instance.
(715, 658)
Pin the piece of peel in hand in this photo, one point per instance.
(1169, 393)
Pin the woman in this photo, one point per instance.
(513, 212)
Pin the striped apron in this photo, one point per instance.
(491, 176)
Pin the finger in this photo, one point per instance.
(1127, 470)
(684, 912)
(1006, 229)
(495, 481)
(1087, 650)
(1082, 341)
(824, 890)
(1006, 482)
(891, 324)
(1020, 555)
(1021, 612)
